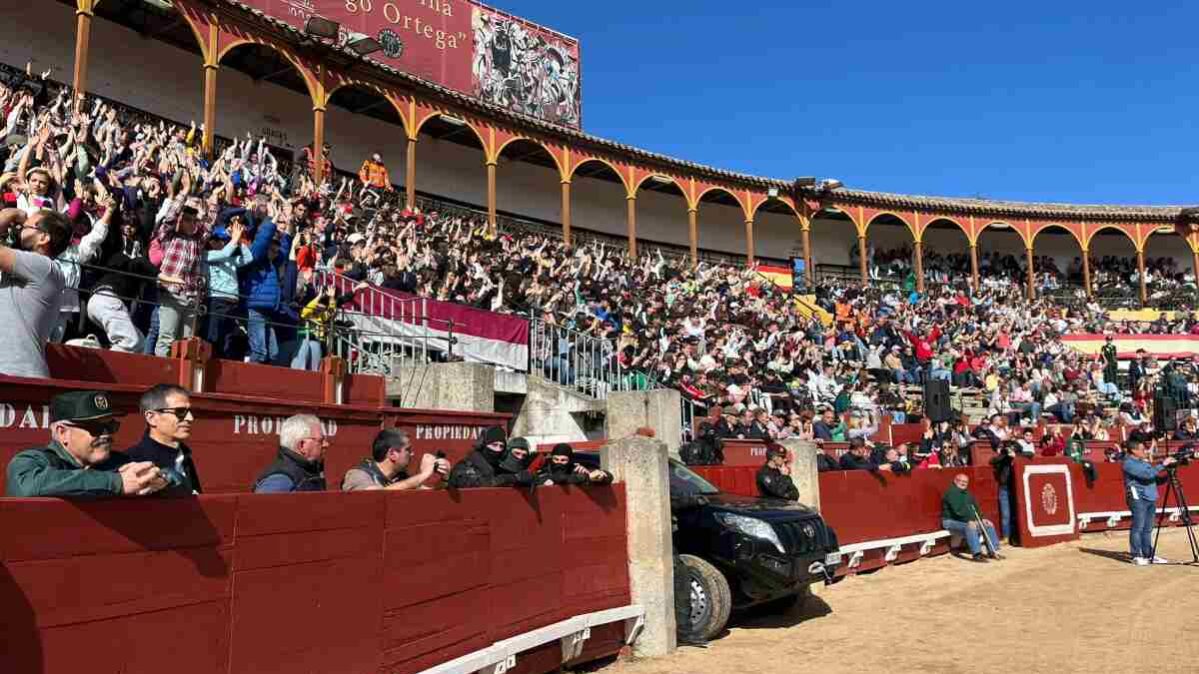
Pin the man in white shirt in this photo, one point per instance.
(31, 286)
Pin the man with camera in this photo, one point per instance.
(1140, 489)
(31, 287)
(391, 454)
(774, 478)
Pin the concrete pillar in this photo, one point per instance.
(804, 470)
(640, 464)
(660, 409)
(410, 175)
(463, 387)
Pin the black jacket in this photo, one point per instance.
(851, 461)
(567, 475)
(1001, 464)
(477, 471)
(305, 475)
(169, 458)
(773, 484)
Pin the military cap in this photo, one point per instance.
(80, 406)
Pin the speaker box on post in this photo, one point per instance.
(1165, 413)
(937, 405)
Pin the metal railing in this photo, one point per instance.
(580, 362)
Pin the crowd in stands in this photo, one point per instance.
(151, 240)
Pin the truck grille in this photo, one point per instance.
(801, 537)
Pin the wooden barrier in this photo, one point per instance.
(364, 582)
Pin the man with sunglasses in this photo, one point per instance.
(31, 287)
(167, 411)
(79, 460)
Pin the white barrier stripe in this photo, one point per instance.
(1087, 517)
(889, 542)
(500, 651)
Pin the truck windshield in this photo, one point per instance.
(685, 482)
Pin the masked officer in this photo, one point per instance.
(79, 460)
(774, 478)
(482, 467)
(562, 469)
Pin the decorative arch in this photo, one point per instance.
(471, 125)
(600, 160)
(500, 150)
(1091, 234)
(650, 175)
(933, 219)
(716, 188)
(782, 200)
(1040, 228)
(309, 81)
(1015, 227)
(374, 89)
(878, 214)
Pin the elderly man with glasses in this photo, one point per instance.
(79, 460)
(167, 411)
(960, 515)
(300, 462)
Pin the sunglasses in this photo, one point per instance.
(180, 413)
(97, 428)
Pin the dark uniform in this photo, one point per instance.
(1111, 369)
(565, 473)
(773, 484)
(52, 470)
(484, 467)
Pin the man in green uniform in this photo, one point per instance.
(1111, 368)
(79, 460)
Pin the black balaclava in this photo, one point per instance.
(492, 434)
(562, 449)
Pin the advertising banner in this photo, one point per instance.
(461, 45)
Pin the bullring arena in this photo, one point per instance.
(181, 175)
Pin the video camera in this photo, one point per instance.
(1184, 456)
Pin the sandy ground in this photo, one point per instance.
(1075, 607)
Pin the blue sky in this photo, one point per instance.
(1046, 101)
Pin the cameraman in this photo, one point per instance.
(1002, 466)
(1140, 488)
(391, 454)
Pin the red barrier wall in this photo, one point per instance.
(364, 582)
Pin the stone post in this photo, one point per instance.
(660, 409)
(640, 464)
(804, 472)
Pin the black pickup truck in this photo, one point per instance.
(741, 551)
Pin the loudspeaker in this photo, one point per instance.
(1165, 413)
(937, 405)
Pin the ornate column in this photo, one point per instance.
(918, 258)
(1032, 274)
(693, 230)
(809, 272)
(318, 143)
(1141, 274)
(749, 241)
(862, 266)
(566, 211)
(632, 201)
(410, 174)
(1086, 272)
(209, 107)
(974, 264)
(83, 33)
(491, 217)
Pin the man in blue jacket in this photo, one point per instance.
(1140, 490)
(262, 287)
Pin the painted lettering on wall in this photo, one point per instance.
(252, 424)
(24, 416)
(406, 19)
(447, 432)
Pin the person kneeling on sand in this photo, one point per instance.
(960, 515)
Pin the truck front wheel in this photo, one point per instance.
(711, 601)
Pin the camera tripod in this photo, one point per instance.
(1174, 486)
